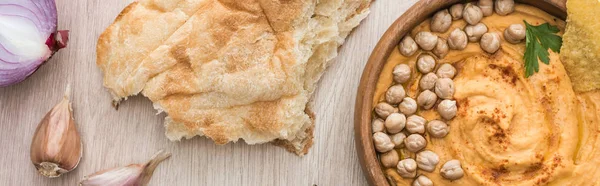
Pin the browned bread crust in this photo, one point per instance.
(228, 69)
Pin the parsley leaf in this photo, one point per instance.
(538, 39)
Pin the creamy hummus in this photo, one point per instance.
(510, 130)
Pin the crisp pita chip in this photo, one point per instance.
(580, 52)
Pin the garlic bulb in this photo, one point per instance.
(134, 174)
(56, 145)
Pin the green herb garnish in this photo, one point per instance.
(538, 40)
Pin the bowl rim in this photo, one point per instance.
(366, 89)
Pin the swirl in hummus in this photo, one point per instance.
(509, 130)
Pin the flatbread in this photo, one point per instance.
(580, 52)
(228, 69)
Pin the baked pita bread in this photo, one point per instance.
(228, 69)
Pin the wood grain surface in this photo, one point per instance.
(134, 132)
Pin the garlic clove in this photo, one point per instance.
(134, 174)
(128, 175)
(56, 145)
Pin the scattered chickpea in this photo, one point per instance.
(427, 82)
(395, 94)
(425, 63)
(446, 71)
(407, 168)
(382, 142)
(490, 42)
(401, 73)
(441, 21)
(444, 88)
(427, 160)
(441, 48)
(487, 7)
(377, 125)
(504, 7)
(383, 109)
(422, 180)
(415, 124)
(441, 83)
(452, 170)
(515, 33)
(415, 142)
(437, 129)
(447, 109)
(426, 40)
(408, 106)
(398, 140)
(408, 46)
(389, 159)
(457, 39)
(456, 11)
(474, 32)
(395, 122)
(426, 99)
(472, 14)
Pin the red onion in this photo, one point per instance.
(28, 37)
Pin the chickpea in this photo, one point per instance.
(398, 140)
(401, 73)
(415, 142)
(447, 109)
(426, 40)
(415, 124)
(446, 71)
(487, 7)
(504, 7)
(427, 82)
(408, 106)
(444, 88)
(377, 125)
(382, 142)
(452, 170)
(389, 159)
(515, 33)
(383, 109)
(441, 21)
(427, 160)
(425, 63)
(472, 14)
(395, 122)
(457, 40)
(437, 129)
(426, 99)
(456, 11)
(407, 168)
(408, 46)
(490, 42)
(474, 32)
(395, 94)
(441, 48)
(422, 180)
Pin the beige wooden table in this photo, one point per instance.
(134, 132)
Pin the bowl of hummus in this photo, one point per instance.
(451, 96)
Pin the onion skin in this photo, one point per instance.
(41, 17)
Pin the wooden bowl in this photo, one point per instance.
(364, 100)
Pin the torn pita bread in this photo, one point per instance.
(228, 69)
